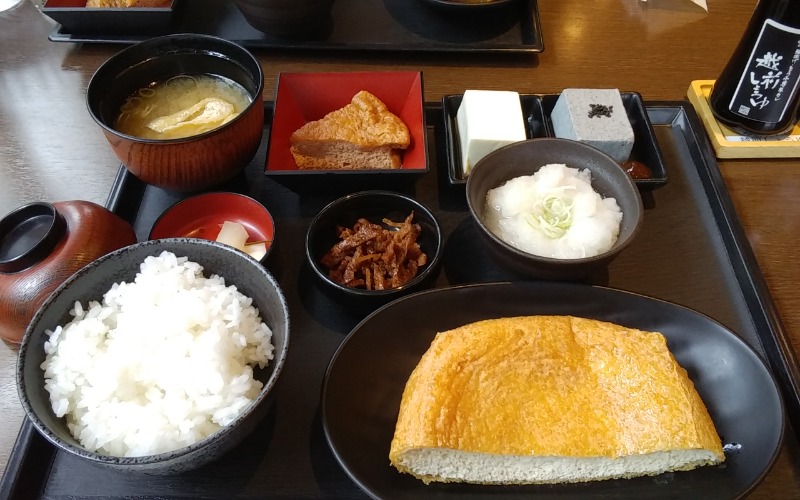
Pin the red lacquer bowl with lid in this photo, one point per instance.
(41, 245)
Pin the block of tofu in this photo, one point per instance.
(487, 120)
(596, 117)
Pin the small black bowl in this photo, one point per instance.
(525, 158)
(90, 283)
(373, 206)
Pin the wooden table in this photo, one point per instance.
(51, 150)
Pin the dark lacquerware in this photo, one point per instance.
(374, 206)
(28, 235)
(90, 283)
(536, 111)
(131, 21)
(526, 158)
(691, 237)
(388, 25)
(364, 384)
(41, 245)
(196, 162)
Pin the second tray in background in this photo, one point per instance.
(363, 25)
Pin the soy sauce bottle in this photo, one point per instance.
(757, 91)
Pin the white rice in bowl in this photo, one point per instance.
(162, 363)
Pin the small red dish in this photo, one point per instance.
(202, 216)
(304, 97)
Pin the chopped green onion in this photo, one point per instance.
(553, 217)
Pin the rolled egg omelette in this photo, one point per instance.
(550, 399)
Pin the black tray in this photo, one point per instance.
(139, 20)
(386, 25)
(691, 251)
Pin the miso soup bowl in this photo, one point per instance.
(193, 163)
(525, 158)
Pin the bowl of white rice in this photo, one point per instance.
(156, 358)
(553, 208)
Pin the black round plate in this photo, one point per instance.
(366, 377)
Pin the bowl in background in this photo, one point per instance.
(192, 163)
(472, 7)
(202, 215)
(525, 158)
(286, 18)
(305, 97)
(90, 283)
(43, 244)
(374, 206)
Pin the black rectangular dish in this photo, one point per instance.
(130, 21)
(390, 25)
(536, 111)
(691, 251)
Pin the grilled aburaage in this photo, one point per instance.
(550, 399)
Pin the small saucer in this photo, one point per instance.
(202, 216)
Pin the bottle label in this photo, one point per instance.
(770, 80)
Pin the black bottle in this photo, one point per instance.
(757, 91)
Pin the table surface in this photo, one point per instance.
(51, 150)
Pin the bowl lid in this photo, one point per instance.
(28, 235)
